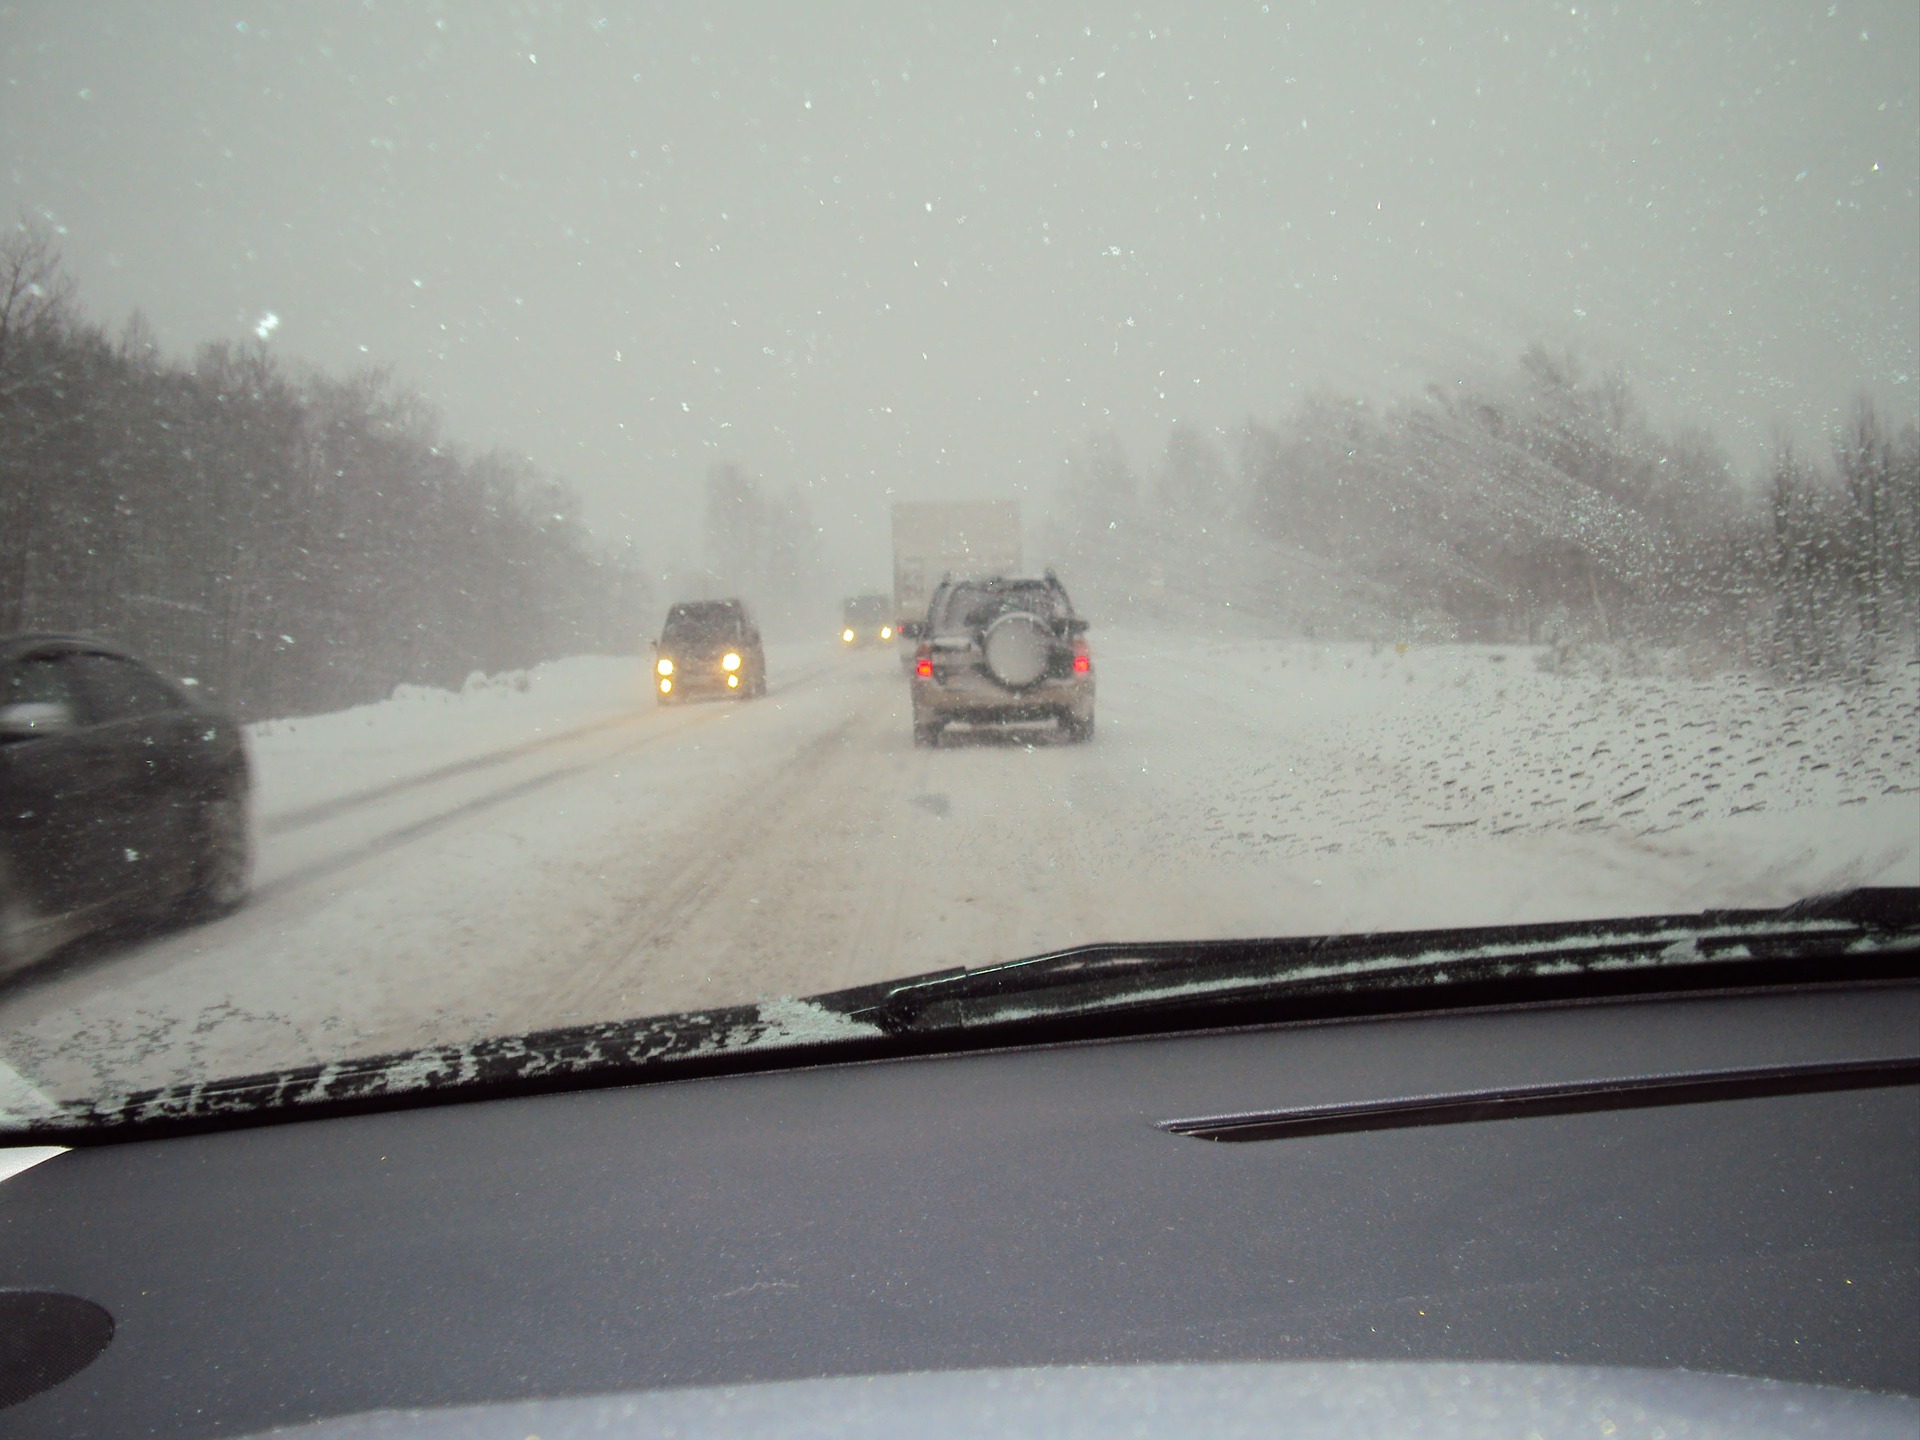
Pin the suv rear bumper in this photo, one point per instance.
(974, 697)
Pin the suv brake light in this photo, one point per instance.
(923, 665)
(1082, 658)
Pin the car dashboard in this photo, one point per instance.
(1046, 1206)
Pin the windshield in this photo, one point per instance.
(703, 624)
(967, 606)
(438, 445)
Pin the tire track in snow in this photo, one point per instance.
(703, 876)
(419, 829)
(406, 834)
(301, 817)
(298, 819)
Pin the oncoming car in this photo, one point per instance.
(864, 621)
(709, 647)
(1001, 650)
(120, 796)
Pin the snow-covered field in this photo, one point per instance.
(540, 850)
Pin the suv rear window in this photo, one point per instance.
(967, 606)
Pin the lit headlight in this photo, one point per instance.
(665, 667)
(733, 682)
(666, 687)
(847, 635)
(886, 632)
(730, 661)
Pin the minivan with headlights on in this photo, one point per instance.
(1002, 650)
(866, 620)
(709, 647)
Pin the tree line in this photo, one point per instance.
(1541, 505)
(292, 541)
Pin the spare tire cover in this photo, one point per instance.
(1016, 648)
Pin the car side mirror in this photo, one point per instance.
(1076, 625)
(31, 719)
(913, 630)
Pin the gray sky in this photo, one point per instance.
(909, 250)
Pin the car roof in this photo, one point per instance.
(1000, 582)
(708, 607)
(1045, 581)
(25, 643)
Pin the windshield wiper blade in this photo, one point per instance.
(1368, 973)
(1088, 992)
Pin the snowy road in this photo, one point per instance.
(509, 859)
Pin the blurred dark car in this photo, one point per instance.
(709, 647)
(121, 795)
(1001, 650)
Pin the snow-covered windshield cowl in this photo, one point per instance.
(526, 521)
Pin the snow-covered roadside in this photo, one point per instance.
(1371, 747)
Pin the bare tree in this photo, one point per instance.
(1863, 457)
(36, 297)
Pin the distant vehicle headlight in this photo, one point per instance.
(847, 635)
(733, 682)
(665, 667)
(730, 661)
(886, 632)
(666, 687)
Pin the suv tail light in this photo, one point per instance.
(1082, 658)
(923, 664)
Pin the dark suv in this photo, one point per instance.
(709, 647)
(998, 650)
(120, 794)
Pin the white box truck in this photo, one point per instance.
(962, 537)
(936, 538)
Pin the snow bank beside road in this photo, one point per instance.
(1465, 784)
(1481, 739)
